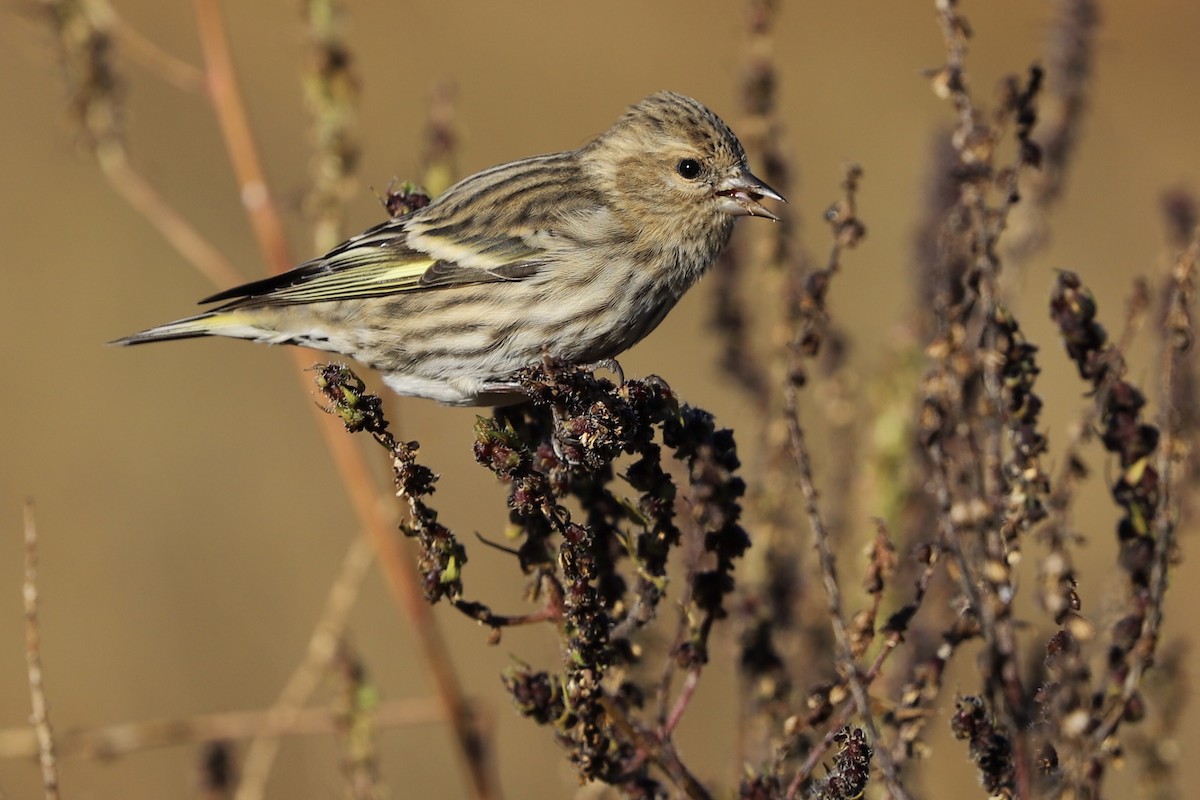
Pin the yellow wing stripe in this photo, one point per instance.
(363, 280)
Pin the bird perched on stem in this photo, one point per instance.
(576, 255)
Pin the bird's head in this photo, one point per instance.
(670, 159)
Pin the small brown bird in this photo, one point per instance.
(578, 255)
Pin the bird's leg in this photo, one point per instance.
(550, 366)
(558, 436)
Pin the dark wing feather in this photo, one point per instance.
(380, 262)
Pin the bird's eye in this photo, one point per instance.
(689, 168)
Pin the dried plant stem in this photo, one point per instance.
(954, 34)
(396, 557)
(226, 98)
(1179, 339)
(996, 616)
(114, 741)
(356, 477)
(141, 195)
(1070, 50)
(690, 681)
(669, 719)
(658, 750)
(1001, 646)
(810, 322)
(992, 599)
(40, 718)
(331, 90)
(159, 62)
(85, 32)
(322, 648)
(840, 719)
(807, 335)
(833, 596)
(893, 639)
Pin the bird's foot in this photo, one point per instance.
(609, 364)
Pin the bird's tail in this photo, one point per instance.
(211, 323)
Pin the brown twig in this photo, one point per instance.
(656, 750)
(115, 741)
(895, 630)
(306, 678)
(179, 232)
(1179, 336)
(85, 33)
(848, 231)
(351, 466)
(226, 99)
(40, 718)
(158, 62)
(982, 429)
(844, 655)
(668, 715)
(1057, 593)
(690, 681)
(1069, 55)
(331, 89)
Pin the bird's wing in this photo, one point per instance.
(380, 261)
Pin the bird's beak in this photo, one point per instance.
(740, 196)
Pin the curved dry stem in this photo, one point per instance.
(157, 61)
(657, 750)
(226, 98)
(833, 596)
(114, 741)
(40, 718)
(322, 648)
(1179, 336)
(144, 198)
(356, 477)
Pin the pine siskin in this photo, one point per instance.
(578, 255)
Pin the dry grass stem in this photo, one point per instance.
(127, 738)
(307, 677)
(264, 217)
(47, 747)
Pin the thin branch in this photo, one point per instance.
(655, 749)
(115, 741)
(322, 647)
(349, 460)
(226, 98)
(40, 718)
(86, 41)
(690, 681)
(833, 596)
(976, 144)
(1179, 337)
(895, 629)
(145, 199)
(848, 230)
(331, 89)
(161, 63)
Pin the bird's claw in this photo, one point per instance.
(611, 365)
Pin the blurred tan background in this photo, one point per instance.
(190, 519)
